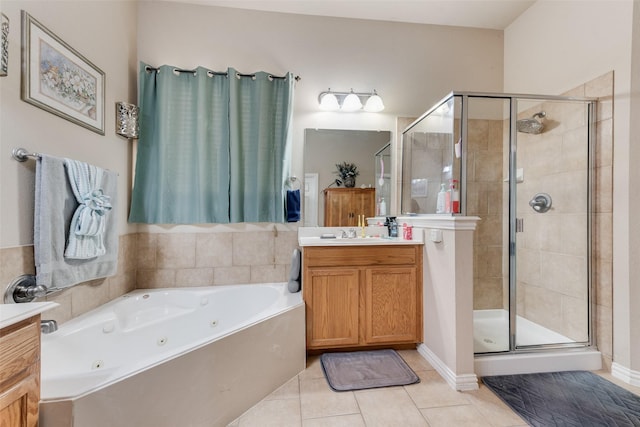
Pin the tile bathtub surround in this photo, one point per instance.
(225, 254)
(83, 297)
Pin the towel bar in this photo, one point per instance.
(22, 155)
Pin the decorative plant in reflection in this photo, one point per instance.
(347, 172)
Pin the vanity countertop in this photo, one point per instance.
(13, 313)
(332, 236)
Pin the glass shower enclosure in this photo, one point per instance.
(523, 164)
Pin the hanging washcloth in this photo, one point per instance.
(86, 232)
(293, 205)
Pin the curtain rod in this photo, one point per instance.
(217, 73)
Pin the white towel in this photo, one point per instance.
(86, 232)
(55, 206)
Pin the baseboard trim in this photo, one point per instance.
(457, 382)
(625, 374)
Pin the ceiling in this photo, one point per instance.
(491, 14)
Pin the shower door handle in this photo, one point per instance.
(541, 202)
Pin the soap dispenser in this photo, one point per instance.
(392, 226)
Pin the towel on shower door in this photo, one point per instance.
(55, 206)
(293, 205)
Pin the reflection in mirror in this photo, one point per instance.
(325, 148)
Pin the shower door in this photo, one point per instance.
(549, 223)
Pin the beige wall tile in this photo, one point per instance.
(147, 245)
(269, 273)
(232, 275)
(176, 250)
(254, 248)
(603, 182)
(156, 278)
(604, 143)
(194, 277)
(214, 250)
(89, 295)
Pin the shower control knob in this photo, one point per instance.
(541, 202)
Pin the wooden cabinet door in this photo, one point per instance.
(331, 296)
(19, 404)
(391, 306)
(343, 205)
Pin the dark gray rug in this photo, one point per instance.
(359, 370)
(574, 398)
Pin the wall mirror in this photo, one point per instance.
(324, 148)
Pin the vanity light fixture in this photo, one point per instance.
(328, 101)
(374, 104)
(350, 101)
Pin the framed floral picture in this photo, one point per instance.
(58, 79)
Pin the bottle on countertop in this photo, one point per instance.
(440, 207)
(382, 207)
(455, 196)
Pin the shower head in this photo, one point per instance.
(530, 124)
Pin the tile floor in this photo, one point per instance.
(307, 401)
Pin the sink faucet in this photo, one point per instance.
(350, 234)
(48, 326)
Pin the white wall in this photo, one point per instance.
(105, 33)
(411, 66)
(557, 45)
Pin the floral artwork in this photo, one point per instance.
(58, 79)
(64, 81)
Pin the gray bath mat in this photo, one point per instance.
(366, 369)
(574, 398)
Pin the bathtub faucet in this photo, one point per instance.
(48, 326)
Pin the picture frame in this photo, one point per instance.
(58, 79)
(4, 45)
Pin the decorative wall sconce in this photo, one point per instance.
(350, 101)
(4, 44)
(127, 124)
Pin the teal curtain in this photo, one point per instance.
(260, 116)
(182, 167)
(213, 148)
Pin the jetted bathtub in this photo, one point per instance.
(169, 357)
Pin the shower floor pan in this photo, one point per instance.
(491, 334)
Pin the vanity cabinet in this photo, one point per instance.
(359, 296)
(20, 373)
(343, 205)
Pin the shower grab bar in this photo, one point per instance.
(22, 155)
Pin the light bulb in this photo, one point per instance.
(374, 104)
(351, 102)
(329, 102)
